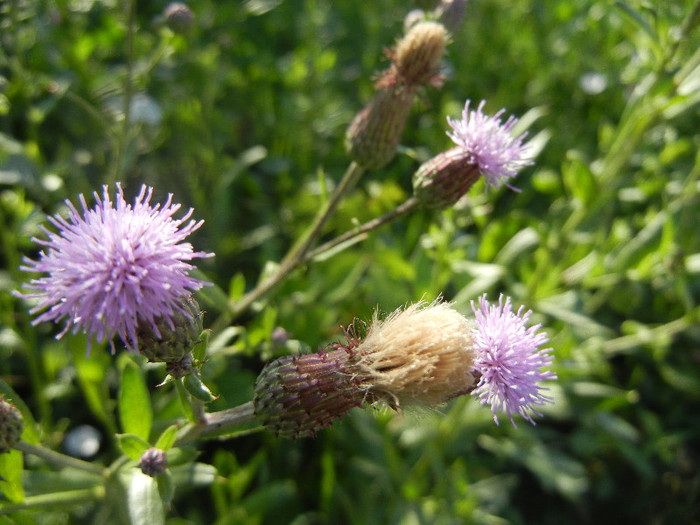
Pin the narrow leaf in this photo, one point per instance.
(134, 402)
(132, 445)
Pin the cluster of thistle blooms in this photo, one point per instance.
(123, 270)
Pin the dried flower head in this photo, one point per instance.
(488, 144)
(510, 360)
(418, 54)
(422, 355)
(114, 268)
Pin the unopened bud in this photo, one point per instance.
(295, 396)
(441, 181)
(170, 340)
(153, 462)
(418, 54)
(11, 426)
(423, 355)
(178, 17)
(374, 134)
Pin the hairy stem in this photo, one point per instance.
(61, 460)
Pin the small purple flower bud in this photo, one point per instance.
(178, 17)
(153, 462)
(11, 426)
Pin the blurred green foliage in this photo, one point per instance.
(242, 117)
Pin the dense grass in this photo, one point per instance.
(243, 118)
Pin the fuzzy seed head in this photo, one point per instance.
(422, 355)
(418, 54)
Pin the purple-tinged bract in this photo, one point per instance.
(510, 360)
(489, 144)
(114, 266)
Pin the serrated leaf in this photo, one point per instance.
(135, 409)
(132, 445)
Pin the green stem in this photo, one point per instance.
(217, 422)
(59, 459)
(51, 501)
(359, 233)
(298, 253)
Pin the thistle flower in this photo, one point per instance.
(484, 147)
(114, 268)
(510, 360)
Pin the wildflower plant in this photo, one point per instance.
(235, 372)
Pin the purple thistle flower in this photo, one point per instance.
(114, 267)
(489, 145)
(510, 360)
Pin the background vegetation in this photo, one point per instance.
(243, 116)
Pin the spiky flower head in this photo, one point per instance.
(422, 355)
(114, 267)
(296, 396)
(153, 462)
(488, 144)
(484, 147)
(510, 360)
(11, 425)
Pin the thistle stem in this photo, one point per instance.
(55, 499)
(217, 422)
(298, 253)
(61, 460)
(360, 231)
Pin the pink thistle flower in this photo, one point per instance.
(114, 267)
(510, 360)
(488, 144)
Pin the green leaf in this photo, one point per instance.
(167, 438)
(184, 400)
(11, 476)
(132, 445)
(199, 351)
(198, 389)
(166, 487)
(145, 506)
(135, 409)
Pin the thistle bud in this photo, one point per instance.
(153, 462)
(170, 340)
(417, 55)
(295, 396)
(423, 355)
(178, 17)
(374, 134)
(11, 426)
(441, 181)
